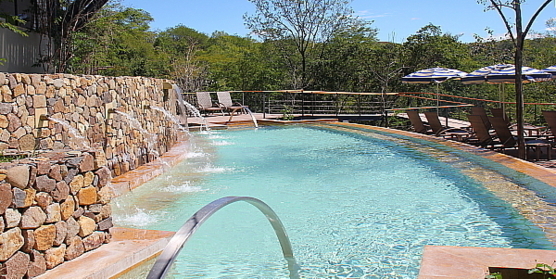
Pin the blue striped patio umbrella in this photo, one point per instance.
(434, 75)
(552, 70)
(504, 73)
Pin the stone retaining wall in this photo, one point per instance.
(74, 133)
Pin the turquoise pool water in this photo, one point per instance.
(356, 204)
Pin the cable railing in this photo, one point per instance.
(171, 251)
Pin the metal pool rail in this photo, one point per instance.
(171, 251)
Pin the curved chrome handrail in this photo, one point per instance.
(171, 251)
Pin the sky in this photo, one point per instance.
(394, 19)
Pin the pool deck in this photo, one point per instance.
(131, 247)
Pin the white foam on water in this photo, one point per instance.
(212, 169)
(138, 218)
(196, 155)
(183, 188)
(222, 143)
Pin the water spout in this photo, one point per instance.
(196, 113)
(149, 137)
(74, 136)
(171, 117)
(253, 118)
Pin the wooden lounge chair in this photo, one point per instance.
(417, 123)
(205, 103)
(550, 118)
(498, 112)
(226, 102)
(482, 136)
(480, 111)
(443, 131)
(508, 140)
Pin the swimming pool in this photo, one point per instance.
(355, 203)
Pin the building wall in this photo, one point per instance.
(21, 53)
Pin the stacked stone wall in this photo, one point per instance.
(74, 134)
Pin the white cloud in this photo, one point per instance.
(365, 14)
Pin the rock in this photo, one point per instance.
(87, 195)
(55, 173)
(44, 237)
(53, 213)
(88, 179)
(75, 248)
(104, 176)
(18, 176)
(14, 122)
(61, 191)
(93, 241)
(29, 240)
(43, 167)
(27, 142)
(105, 195)
(33, 217)
(23, 198)
(86, 226)
(88, 163)
(61, 232)
(10, 242)
(12, 218)
(45, 184)
(105, 224)
(72, 229)
(37, 266)
(43, 199)
(39, 101)
(4, 121)
(54, 256)
(16, 266)
(5, 197)
(76, 184)
(67, 208)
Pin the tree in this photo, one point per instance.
(300, 29)
(517, 35)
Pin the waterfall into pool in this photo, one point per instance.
(355, 204)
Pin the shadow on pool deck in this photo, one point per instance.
(131, 247)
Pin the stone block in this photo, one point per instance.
(14, 122)
(23, 198)
(37, 266)
(86, 226)
(44, 237)
(16, 266)
(105, 224)
(105, 195)
(12, 218)
(18, 90)
(88, 163)
(54, 256)
(94, 240)
(10, 242)
(18, 176)
(55, 173)
(6, 197)
(61, 191)
(72, 229)
(43, 199)
(67, 208)
(88, 179)
(76, 184)
(87, 195)
(3, 121)
(45, 184)
(43, 167)
(61, 232)
(27, 142)
(104, 176)
(32, 218)
(29, 240)
(39, 101)
(53, 213)
(75, 248)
